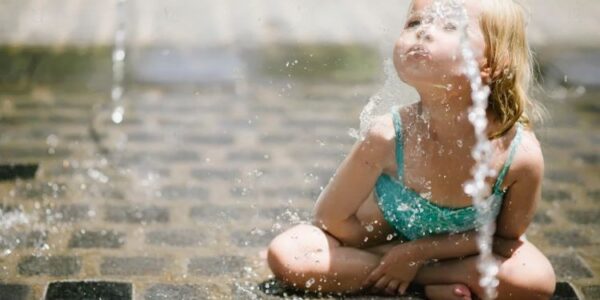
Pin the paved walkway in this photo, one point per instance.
(216, 166)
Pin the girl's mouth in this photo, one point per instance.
(417, 50)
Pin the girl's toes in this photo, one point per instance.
(462, 290)
(448, 292)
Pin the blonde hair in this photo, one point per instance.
(511, 65)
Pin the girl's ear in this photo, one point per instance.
(486, 71)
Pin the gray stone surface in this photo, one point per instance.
(135, 214)
(216, 265)
(133, 266)
(77, 290)
(591, 292)
(590, 216)
(568, 267)
(176, 238)
(567, 238)
(97, 239)
(49, 265)
(14, 291)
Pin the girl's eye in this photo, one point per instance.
(413, 23)
(450, 26)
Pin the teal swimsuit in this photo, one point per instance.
(413, 216)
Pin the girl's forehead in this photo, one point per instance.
(418, 7)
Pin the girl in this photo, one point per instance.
(395, 211)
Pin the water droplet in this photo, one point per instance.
(310, 282)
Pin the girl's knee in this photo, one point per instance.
(286, 250)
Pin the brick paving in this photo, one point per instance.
(213, 170)
(184, 210)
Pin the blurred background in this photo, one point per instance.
(152, 149)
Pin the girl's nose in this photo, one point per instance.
(424, 34)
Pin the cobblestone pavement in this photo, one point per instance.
(228, 147)
(211, 173)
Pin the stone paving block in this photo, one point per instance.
(97, 239)
(180, 292)
(14, 291)
(563, 176)
(9, 240)
(49, 265)
(38, 190)
(178, 156)
(212, 213)
(253, 238)
(569, 267)
(594, 195)
(290, 192)
(556, 195)
(177, 238)
(15, 153)
(69, 213)
(571, 238)
(182, 192)
(135, 214)
(248, 156)
(564, 291)
(207, 139)
(242, 192)
(91, 290)
(590, 216)
(284, 213)
(133, 266)
(591, 292)
(206, 174)
(217, 265)
(276, 139)
(14, 171)
(542, 218)
(590, 158)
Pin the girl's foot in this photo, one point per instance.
(448, 292)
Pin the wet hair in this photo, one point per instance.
(511, 65)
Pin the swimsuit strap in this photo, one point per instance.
(513, 148)
(399, 141)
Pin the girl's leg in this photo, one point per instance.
(527, 274)
(306, 257)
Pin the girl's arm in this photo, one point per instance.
(353, 182)
(449, 246)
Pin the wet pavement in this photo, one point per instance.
(214, 169)
(236, 115)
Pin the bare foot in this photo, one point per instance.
(448, 292)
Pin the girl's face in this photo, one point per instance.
(428, 49)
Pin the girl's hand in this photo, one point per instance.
(396, 270)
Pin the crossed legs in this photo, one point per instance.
(306, 257)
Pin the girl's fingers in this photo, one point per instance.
(374, 276)
(382, 283)
(392, 287)
(403, 287)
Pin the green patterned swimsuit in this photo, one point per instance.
(413, 216)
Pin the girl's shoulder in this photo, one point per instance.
(528, 158)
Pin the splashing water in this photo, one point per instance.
(392, 93)
(477, 188)
(113, 113)
(118, 69)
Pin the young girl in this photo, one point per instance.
(395, 212)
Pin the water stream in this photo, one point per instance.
(477, 187)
